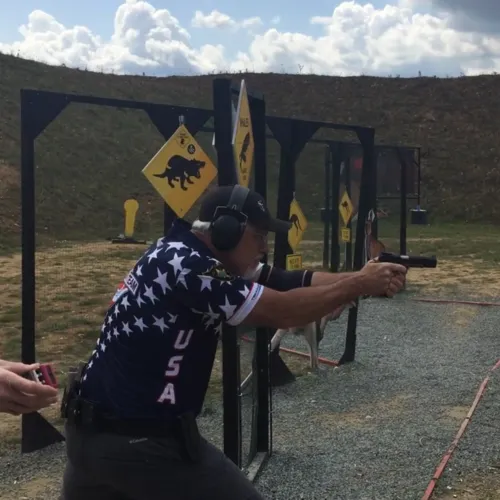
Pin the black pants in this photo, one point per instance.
(114, 467)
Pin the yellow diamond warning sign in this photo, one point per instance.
(180, 171)
(299, 225)
(346, 208)
(243, 143)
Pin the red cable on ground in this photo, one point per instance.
(440, 469)
(325, 361)
(452, 301)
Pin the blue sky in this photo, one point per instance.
(380, 37)
(98, 15)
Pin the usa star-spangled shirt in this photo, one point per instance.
(157, 345)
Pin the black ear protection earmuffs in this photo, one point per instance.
(229, 222)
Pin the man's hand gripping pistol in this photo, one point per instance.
(408, 261)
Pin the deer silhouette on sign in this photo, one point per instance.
(244, 150)
(294, 219)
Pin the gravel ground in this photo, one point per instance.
(374, 429)
(378, 428)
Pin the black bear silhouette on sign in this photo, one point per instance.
(181, 169)
(296, 222)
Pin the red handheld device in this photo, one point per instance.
(44, 375)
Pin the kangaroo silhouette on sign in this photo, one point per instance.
(181, 169)
(244, 148)
(296, 222)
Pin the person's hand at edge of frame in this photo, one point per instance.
(19, 395)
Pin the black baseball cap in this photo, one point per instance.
(254, 208)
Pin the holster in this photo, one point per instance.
(72, 388)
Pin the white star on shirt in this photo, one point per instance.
(108, 335)
(139, 300)
(218, 329)
(115, 333)
(206, 282)
(139, 271)
(126, 328)
(175, 244)
(103, 348)
(153, 255)
(211, 317)
(173, 317)
(116, 311)
(140, 323)
(194, 253)
(125, 302)
(176, 263)
(90, 364)
(228, 308)
(245, 291)
(160, 322)
(182, 277)
(109, 320)
(162, 281)
(149, 294)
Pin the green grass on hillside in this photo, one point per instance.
(89, 159)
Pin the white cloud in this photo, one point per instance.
(357, 38)
(216, 19)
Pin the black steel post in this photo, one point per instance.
(262, 438)
(336, 150)
(230, 347)
(367, 139)
(403, 194)
(347, 180)
(327, 209)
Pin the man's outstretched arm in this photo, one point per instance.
(282, 280)
(322, 278)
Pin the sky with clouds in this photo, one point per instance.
(158, 37)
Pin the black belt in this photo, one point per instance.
(84, 414)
